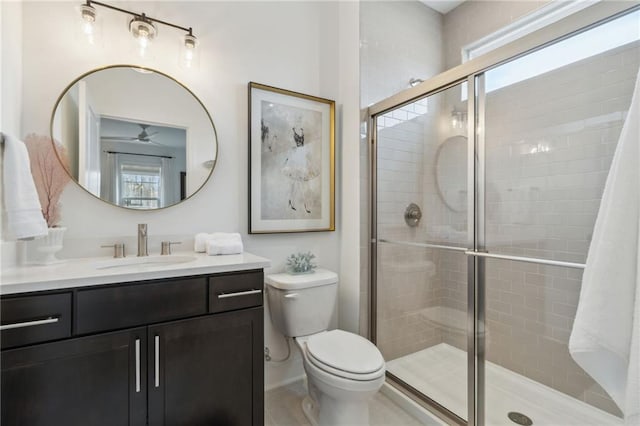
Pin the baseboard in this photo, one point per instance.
(410, 406)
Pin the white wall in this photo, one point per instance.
(349, 291)
(293, 45)
(399, 40)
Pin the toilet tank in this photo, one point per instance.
(302, 304)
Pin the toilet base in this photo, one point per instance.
(334, 400)
(310, 410)
(333, 412)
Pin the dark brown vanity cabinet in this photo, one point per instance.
(169, 362)
(215, 382)
(83, 381)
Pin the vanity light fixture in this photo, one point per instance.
(143, 31)
(142, 27)
(88, 14)
(189, 50)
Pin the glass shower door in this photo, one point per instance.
(422, 233)
(549, 137)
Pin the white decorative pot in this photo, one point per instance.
(51, 244)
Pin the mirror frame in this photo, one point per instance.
(143, 68)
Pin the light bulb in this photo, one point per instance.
(189, 50)
(87, 28)
(88, 15)
(143, 38)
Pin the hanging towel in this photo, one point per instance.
(24, 213)
(606, 333)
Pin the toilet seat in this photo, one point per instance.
(345, 355)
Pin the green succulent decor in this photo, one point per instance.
(301, 263)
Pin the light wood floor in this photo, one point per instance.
(283, 408)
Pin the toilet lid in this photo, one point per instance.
(345, 351)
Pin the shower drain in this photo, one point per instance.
(519, 418)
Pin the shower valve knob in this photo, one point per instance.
(412, 215)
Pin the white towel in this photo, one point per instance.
(201, 240)
(218, 247)
(24, 213)
(606, 333)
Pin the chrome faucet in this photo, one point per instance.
(142, 240)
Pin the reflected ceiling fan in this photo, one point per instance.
(143, 136)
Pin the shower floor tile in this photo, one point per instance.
(440, 373)
(283, 408)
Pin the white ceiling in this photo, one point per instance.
(443, 6)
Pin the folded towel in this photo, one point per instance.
(216, 247)
(225, 236)
(24, 213)
(605, 340)
(201, 240)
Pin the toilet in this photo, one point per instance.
(344, 370)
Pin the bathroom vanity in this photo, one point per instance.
(174, 344)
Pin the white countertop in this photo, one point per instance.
(85, 272)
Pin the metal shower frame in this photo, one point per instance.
(472, 72)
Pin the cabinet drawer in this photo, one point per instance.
(32, 319)
(235, 291)
(112, 308)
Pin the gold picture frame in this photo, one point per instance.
(291, 161)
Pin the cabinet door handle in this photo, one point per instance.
(137, 365)
(157, 361)
(49, 320)
(238, 293)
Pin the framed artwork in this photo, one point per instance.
(291, 161)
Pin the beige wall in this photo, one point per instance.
(475, 19)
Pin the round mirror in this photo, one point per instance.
(135, 137)
(451, 173)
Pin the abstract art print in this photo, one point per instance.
(291, 161)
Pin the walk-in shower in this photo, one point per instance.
(505, 157)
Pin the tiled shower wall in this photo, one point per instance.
(407, 277)
(412, 281)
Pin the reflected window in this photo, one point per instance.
(140, 186)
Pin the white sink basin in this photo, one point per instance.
(148, 261)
